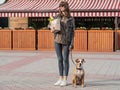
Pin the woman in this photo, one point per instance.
(64, 41)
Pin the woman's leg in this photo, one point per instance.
(66, 61)
(58, 48)
(66, 65)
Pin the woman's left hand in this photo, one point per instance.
(71, 47)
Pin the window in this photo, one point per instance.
(37, 22)
(3, 22)
(95, 22)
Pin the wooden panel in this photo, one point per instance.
(24, 40)
(118, 40)
(100, 40)
(5, 39)
(45, 40)
(80, 40)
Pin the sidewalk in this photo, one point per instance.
(37, 70)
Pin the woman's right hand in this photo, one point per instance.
(53, 30)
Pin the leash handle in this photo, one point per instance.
(72, 57)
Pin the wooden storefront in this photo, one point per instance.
(104, 16)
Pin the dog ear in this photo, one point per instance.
(77, 60)
(83, 61)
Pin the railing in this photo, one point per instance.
(91, 40)
(45, 40)
(5, 40)
(80, 40)
(100, 40)
(24, 40)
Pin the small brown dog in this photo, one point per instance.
(79, 73)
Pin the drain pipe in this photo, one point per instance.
(116, 36)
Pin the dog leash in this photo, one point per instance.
(72, 57)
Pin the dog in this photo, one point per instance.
(79, 73)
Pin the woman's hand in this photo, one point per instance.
(71, 47)
(53, 30)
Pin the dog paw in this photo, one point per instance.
(83, 86)
(74, 86)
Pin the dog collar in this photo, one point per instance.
(79, 68)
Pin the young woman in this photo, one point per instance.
(64, 40)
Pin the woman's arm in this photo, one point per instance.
(73, 34)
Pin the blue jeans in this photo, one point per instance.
(63, 58)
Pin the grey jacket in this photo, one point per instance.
(70, 30)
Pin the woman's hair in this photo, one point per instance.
(66, 6)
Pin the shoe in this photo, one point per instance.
(58, 82)
(63, 83)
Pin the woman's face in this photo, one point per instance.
(62, 8)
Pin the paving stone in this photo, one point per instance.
(38, 70)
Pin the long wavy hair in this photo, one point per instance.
(66, 6)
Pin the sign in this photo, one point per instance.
(2, 1)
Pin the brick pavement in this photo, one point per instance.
(37, 70)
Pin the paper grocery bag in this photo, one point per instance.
(55, 25)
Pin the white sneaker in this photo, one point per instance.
(58, 82)
(63, 83)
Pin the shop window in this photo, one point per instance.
(119, 23)
(38, 22)
(95, 22)
(3, 22)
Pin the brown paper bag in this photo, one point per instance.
(55, 25)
